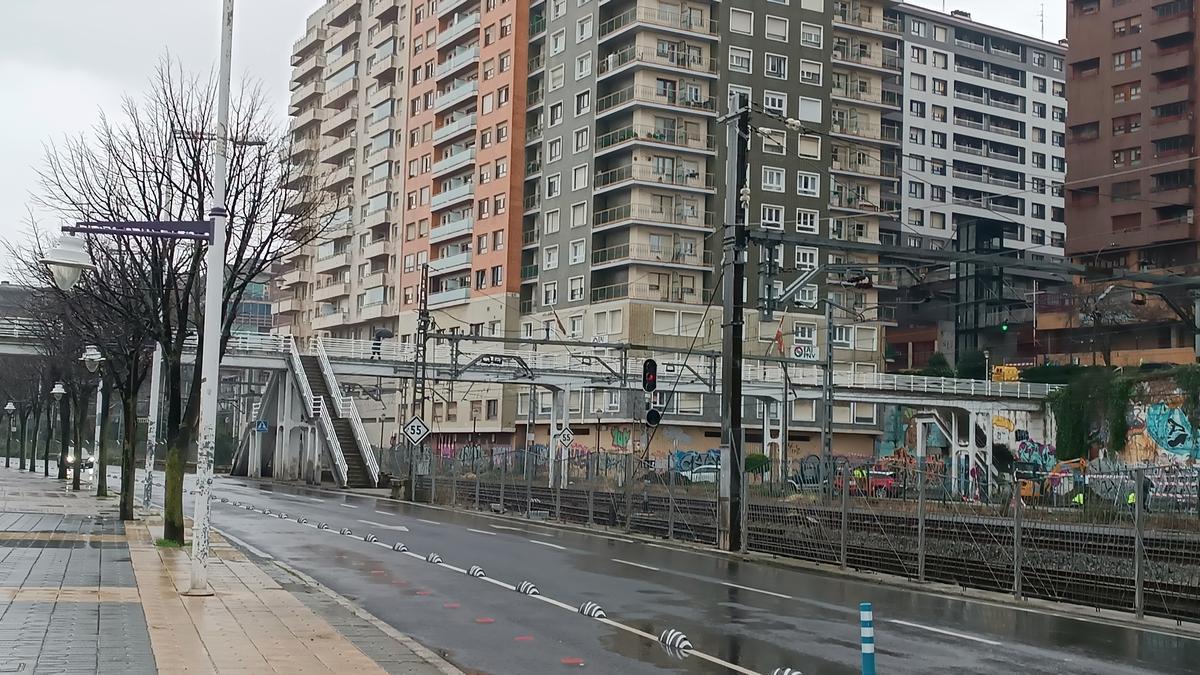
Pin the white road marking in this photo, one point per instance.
(314, 499)
(498, 583)
(756, 590)
(349, 506)
(398, 528)
(410, 554)
(490, 534)
(546, 543)
(384, 513)
(654, 638)
(431, 522)
(556, 603)
(626, 562)
(505, 527)
(246, 546)
(942, 631)
(452, 567)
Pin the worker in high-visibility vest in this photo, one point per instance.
(1131, 500)
(1077, 500)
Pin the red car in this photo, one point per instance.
(876, 482)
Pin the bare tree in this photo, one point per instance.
(154, 163)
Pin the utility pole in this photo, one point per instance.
(827, 403)
(419, 372)
(214, 286)
(734, 245)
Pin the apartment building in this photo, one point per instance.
(1131, 181)
(982, 170)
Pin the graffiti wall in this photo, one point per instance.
(1159, 431)
(686, 460)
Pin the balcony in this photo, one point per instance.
(971, 44)
(534, 97)
(450, 263)
(644, 253)
(293, 276)
(454, 161)
(373, 311)
(644, 173)
(536, 63)
(456, 94)
(672, 60)
(305, 93)
(529, 272)
(330, 319)
(620, 216)
(453, 295)
(463, 26)
(532, 202)
(335, 180)
(383, 33)
(380, 248)
(289, 306)
(340, 35)
(1170, 24)
(304, 118)
(529, 237)
(444, 7)
(332, 262)
(310, 38)
(453, 129)
(309, 65)
(372, 280)
(641, 133)
(333, 125)
(643, 15)
(885, 61)
(452, 196)
(335, 97)
(450, 229)
(384, 65)
(331, 291)
(460, 59)
(302, 147)
(640, 93)
(533, 134)
(332, 153)
(646, 291)
(532, 168)
(872, 21)
(382, 94)
(986, 178)
(866, 130)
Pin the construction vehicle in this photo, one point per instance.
(1036, 483)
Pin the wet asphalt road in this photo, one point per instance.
(756, 616)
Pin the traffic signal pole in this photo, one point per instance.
(734, 245)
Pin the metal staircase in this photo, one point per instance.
(351, 433)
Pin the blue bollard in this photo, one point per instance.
(866, 621)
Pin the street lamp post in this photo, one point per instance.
(93, 360)
(9, 409)
(63, 413)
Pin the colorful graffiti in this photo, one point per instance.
(686, 460)
(620, 438)
(1042, 454)
(1159, 431)
(900, 433)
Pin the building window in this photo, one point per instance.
(775, 66)
(773, 141)
(741, 60)
(574, 289)
(806, 220)
(808, 184)
(577, 251)
(772, 179)
(776, 28)
(550, 294)
(806, 258)
(741, 21)
(810, 73)
(772, 217)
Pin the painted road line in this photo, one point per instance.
(757, 590)
(349, 506)
(246, 546)
(398, 528)
(418, 556)
(452, 567)
(431, 522)
(385, 513)
(943, 631)
(633, 564)
(556, 603)
(499, 583)
(314, 499)
(490, 534)
(654, 638)
(546, 543)
(505, 527)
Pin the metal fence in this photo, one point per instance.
(1113, 537)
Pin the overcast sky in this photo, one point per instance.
(62, 60)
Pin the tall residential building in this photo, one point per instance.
(1131, 200)
(982, 172)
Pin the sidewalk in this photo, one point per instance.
(82, 592)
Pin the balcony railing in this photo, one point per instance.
(871, 20)
(455, 160)
(645, 291)
(674, 59)
(464, 25)
(650, 94)
(458, 93)
(676, 137)
(450, 262)
(451, 228)
(650, 213)
(452, 128)
(657, 17)
(459, 59)
(450, 295)
(452, 195)
(649, 254)
(529, 272)
(647, 173)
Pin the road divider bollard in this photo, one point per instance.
(866, 621)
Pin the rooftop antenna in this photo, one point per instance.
(1042, 19)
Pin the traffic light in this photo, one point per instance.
(1004, 327)
(649, 375)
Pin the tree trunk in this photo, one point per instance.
(37, 424)
(21, 444)
(176, 454)
(128, 446)
(102, 443)
(81, 408)
(64, 432)
(49, 438)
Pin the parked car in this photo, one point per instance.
(88, 462)
(878, 483)
(709, 473)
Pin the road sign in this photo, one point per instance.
(806, 352)
(260, 426)
(565, 437)
(416, 430)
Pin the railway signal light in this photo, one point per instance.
(649, 375)
(653, 417)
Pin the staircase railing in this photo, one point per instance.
(346, 409)
(316, 409)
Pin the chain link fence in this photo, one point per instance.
(1106, 536)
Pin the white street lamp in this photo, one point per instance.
(92, 358)
(10, 408)
(58, 391)
(67, 262)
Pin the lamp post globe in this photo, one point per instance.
(67, 261)
(92, 358)
(10, 408)
(58, 391)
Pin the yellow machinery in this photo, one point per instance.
(1005, 374)
(1063, 479)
